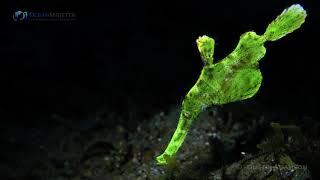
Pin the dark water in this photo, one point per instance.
(73, 90)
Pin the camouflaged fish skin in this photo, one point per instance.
(234, 78)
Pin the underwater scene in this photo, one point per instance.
(160, 91)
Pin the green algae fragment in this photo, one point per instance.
(234, 78)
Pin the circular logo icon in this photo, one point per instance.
(20, 16)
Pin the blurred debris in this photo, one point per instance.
(272, 162)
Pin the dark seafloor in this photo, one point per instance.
(233, 142)
(98, 98)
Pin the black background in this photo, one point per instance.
(139, 57)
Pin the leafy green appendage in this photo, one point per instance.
(234, 78)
